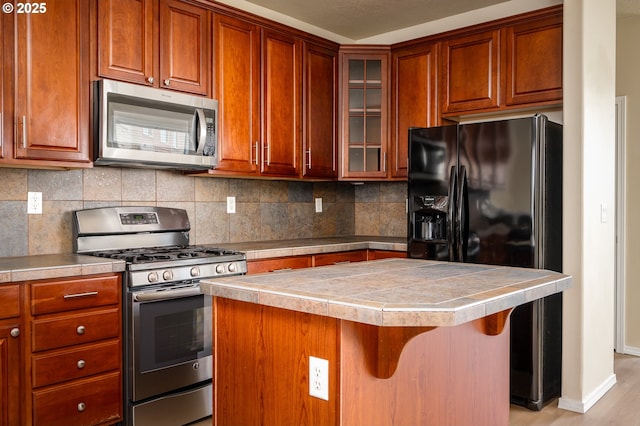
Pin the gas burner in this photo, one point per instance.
(160, 254)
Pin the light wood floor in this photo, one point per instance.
(619, 406)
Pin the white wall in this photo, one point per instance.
(589, 183)
(628, 84)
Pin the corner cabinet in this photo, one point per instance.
(258, 84)
(159, 43)
(365, 113)
(45, 92)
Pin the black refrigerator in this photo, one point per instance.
(491, 193)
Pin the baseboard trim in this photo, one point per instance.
(591, 399)
(630, 350)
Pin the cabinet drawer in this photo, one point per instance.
(82, 402)
(82, 327)
(339, 257)
(63, 296)
(278, 264)
(75, 363)
(9, 301)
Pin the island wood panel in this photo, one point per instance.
(262, 364)
(446, 376)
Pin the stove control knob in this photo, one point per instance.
(232, 267)
(152, 277)
(220, 269)
(195, 271)
(167, 275)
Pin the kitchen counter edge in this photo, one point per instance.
(50, 266)
(465, 295)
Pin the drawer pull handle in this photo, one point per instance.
(76, 295)
(80, 330)
(81, 406)
(80, 364)
(15, 332)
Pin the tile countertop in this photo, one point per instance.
(265, 249)
(23, 268)
(394, 292)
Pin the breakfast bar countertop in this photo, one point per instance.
(394, 292)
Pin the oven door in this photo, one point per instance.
(170, 346)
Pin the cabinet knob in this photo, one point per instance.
(80, 330)
(150, 79)
(15, 332)
(81, 406)
(166, 82)
(80, 364)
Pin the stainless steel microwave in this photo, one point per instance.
(141, 126)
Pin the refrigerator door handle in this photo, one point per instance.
(461, 207)
(451, 232)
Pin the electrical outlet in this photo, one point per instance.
(318, 205)
(34, 203)
(319, 378)
(231, 204)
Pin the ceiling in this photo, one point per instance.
(361, 19)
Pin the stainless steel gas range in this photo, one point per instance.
(166, 318)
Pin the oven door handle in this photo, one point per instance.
(166, 294)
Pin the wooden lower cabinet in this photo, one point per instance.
(92, 401)
(75, 351)
(274, 264)
(278, 264)
(339, 257)
(10, 351)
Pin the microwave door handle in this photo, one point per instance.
(202, 133)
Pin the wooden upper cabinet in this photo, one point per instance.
(365, 113)
(185, 47)
(160, 43)
(52, 83)
(413, 99)
(126, 40)
(534, 61)
(281, 103)
(3, 111)
(470, 70)
(319, 112)
(237, 89)
(258, 85)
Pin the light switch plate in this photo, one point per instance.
(318, 205)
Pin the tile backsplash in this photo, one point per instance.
(265, 210)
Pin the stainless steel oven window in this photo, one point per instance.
(171, 332)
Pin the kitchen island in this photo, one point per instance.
(407, 341)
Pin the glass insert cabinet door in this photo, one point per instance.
(365, 115)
